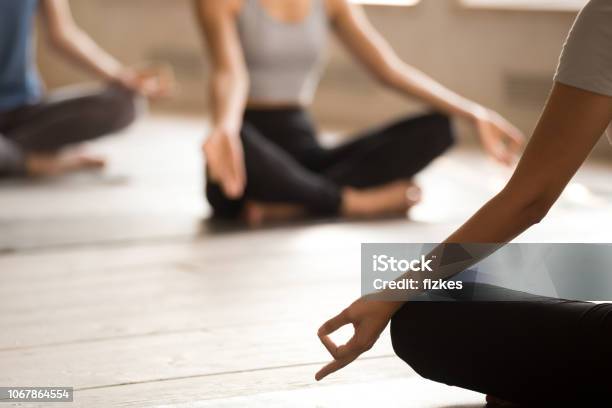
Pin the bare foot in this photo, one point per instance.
(256, 214)
(47, 165)
(391, 199)
(494, 402)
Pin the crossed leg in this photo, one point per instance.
(369, 177)
(38, 133)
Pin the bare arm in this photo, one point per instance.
(228, 93)
(229, 79)
(371, 49)
(67, 37)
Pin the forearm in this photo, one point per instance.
(379, 58)
(501, 220)
(78, 46)
(497, 222)
(412, 82)
(228, 94)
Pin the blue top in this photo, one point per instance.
(19, 80)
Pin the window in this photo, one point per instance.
(551, 5)
(388, 2)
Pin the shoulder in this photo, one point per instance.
(586, 61)
(336, 8)
(211, 9)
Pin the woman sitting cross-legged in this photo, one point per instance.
(36, 127)
(264, 162)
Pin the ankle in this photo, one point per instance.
(40, 165)
(353, 203)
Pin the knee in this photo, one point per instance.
(442, 131)
(410, 338)
(223, 207)
(256, 150)
(120, 107)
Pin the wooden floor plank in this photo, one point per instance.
(386, 378)
(133, 300)
(166, 356)
(388, 393)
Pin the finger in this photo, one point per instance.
(167, 78)
(231, 188)
(331, 326)
(340, 352)
(231, 184)
(512, 134)
(148, 89)
(225, 173)
(503, 154)
(212, 174)
(329, 345)
(239, 174)
(223, 177)
(165, 89)
(151, 83)
(211, 165)
(334, 324)
(504, 157)
(349, 349)
(159, 87)
(333, 367)
(517, 141)
(238, 162)
(498, 155)
(235, 171)
(491, 150)
(515, 137)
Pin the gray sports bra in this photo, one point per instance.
(284, 60)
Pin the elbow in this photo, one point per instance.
(242, 78)
(529, 210)
(58, 42)
(537, 210)
(237, 78)
(387, 73)
(396, 75)
(60, 39)
(388, 77)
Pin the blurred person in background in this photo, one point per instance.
(36, 127)
(263, 159)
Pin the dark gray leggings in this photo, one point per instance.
(286, 164)
(531, 350)
(64, 118)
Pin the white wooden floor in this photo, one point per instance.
(112, 284)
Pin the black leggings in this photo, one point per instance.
(64, 118)
(285, 163)
(535, 351)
